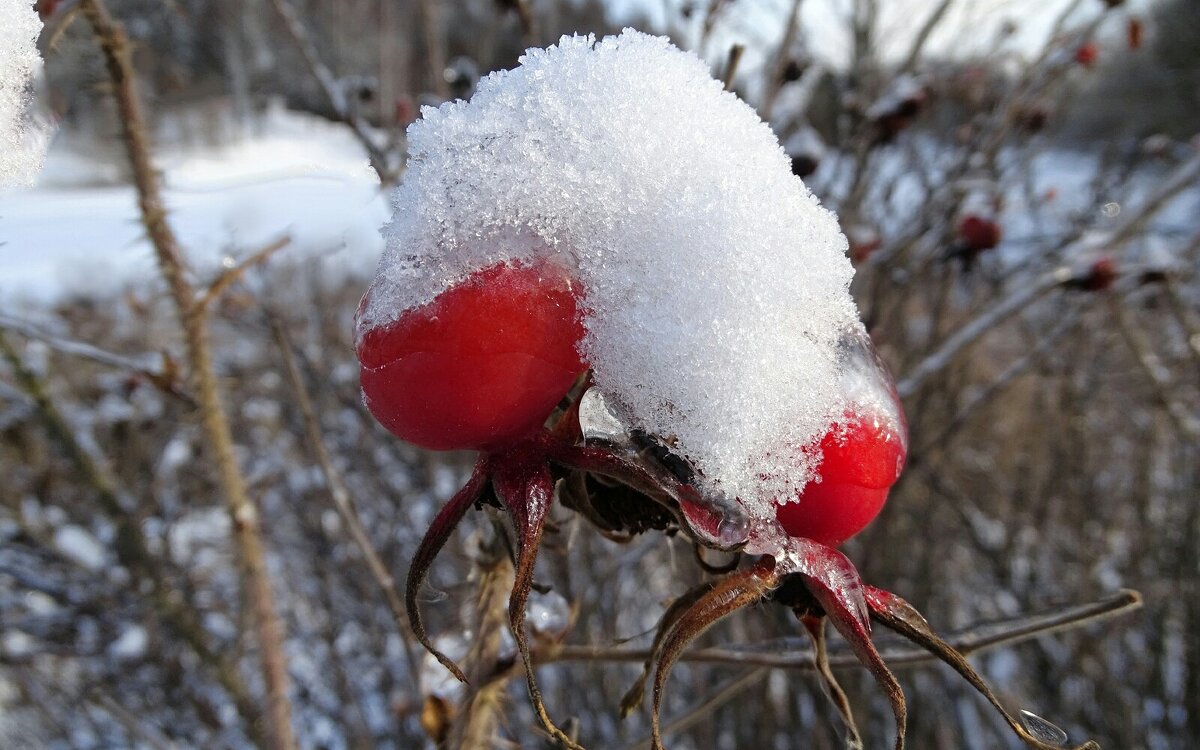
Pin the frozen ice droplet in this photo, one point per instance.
(1043, 730)
(733, 528)
(598, 419)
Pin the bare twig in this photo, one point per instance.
(731, 64)
(918, 45)
(528, 19)
(981, 324)
(775, 81)
(705, 708)
(974, 640)
(163, 378)
(335, 96)
(479, 713)
(135, 725)
(1185, 316)
(435, 46)
(244, 514)
(230, 275)
(997, 386)
(343, 502)
(1179, 179)
(1157, 373)
(131, 547)
(710, 21)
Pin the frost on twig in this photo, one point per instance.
(21, 141)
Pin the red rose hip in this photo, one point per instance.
(482, 365)
(861, 456)
(860, 460)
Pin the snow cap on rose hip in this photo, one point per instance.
(715, 288)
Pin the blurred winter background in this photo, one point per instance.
(1020, 182)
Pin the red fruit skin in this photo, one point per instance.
(479, 367)
(860, 461)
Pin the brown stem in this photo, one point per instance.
(163, 377)
(245, 526)
(775, 82)
(435, 46)
(731, 64)
(230, 275)
(837, 696)
(1155, 371)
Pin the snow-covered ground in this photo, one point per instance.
(77, 229)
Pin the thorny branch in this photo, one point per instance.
(244, 515)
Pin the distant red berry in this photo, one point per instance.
(480, 366)
(1087, 54)
(1100, 276)
(978, 234)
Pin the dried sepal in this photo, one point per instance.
(633, 697)
(728, 595)
(834, 583)
(815, 625)
(431, 544)
(897, 614)
(525, 488)
(712, 526)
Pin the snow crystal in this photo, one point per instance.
(20, 154)
(716, 285)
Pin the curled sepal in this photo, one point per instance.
(815, 625)
(833, 581)
(728, 595)
(526, 490)
(895, 613)
(435, 538)
(633, 697)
